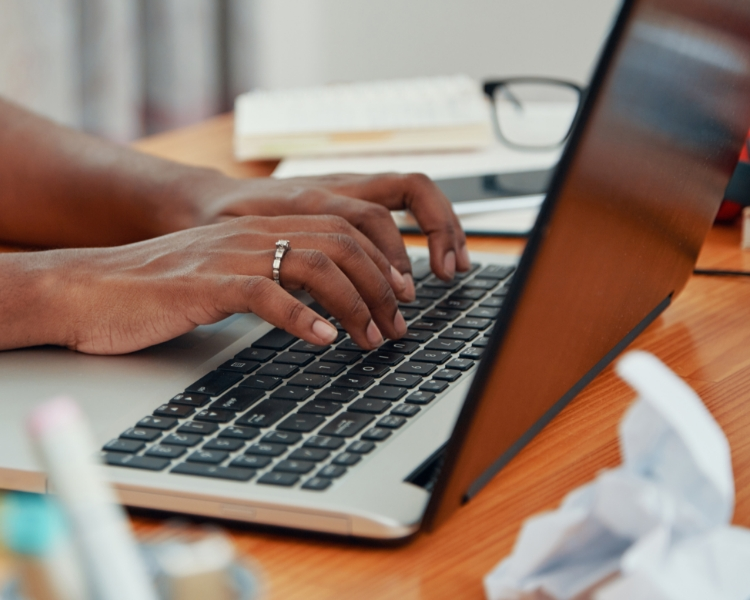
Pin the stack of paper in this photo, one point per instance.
(434, 113)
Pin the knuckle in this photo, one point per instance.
(255, 289)
(315, 260)
(293, 311)
(346, 244)
(418, 180)
(338, 224)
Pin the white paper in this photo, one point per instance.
(657, 527)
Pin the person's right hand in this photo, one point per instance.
(121, 299)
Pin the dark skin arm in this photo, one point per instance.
(148, 249)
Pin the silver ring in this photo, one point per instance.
(281, 248)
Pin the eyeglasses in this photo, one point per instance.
(534, 113)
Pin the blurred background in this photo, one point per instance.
(126, 68)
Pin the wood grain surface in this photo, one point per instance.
(704, 336)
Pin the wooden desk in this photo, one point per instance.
(704, 337)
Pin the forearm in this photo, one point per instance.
(59, 187)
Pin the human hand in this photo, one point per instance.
(365, 201)
(121, 299)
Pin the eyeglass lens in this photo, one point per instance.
(535, 115)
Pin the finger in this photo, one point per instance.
(338, 225)
(316, 273)
(269, 301)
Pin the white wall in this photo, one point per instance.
(303, 42)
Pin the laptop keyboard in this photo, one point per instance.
(287, 413)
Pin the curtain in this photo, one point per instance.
(125, 68)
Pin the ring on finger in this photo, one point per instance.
(282, 246)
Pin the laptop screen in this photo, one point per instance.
(617, 238)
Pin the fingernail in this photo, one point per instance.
(324, 331)
(465, 259)
(398, 279)
(398, 323)
(373, 335)
(449, 263)
(409, 290)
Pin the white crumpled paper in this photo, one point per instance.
(656, 528)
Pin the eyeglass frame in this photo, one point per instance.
(489, 87)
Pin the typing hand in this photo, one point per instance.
(124, 298)
(361, 202)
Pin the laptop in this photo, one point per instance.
(241, 421)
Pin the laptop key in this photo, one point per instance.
(368, 370)
(295, 466)
(501, 292)
(391, 422)
(416, 368)
(433, 386)
(346, 424)
(415, 335)
(191, 399)
(307, 347)
(161, 423)
(402, 346)
(224, 444)
(250, 462)
(337, 395)
(163, 451)
(182, 439)
(442, 314)
(360, 447)
(311, 380)
(264, 449)
(278, 370)
(276, 339)
(355, 382)
(240, 433)
(256, 354)
(455, 304)
(320, 407)
(300, 359)
(379, 357)
(491, 302)
(215, 383)
(472, 353)
(214, 416)
(420, 397)
(325, 368)
(310, 454)
(462, 364)
(370, 405)
(428, 325)
(382, 392)
(279, 478)
(484, 312)
(434, 282)
(331, 471)
(139, 433)
(430, 293)
(467, 294)
(405, 410)
(482, 343)
(317, 484)
(480, 284)
(149, 463)
(419, 304)
(447, 375)
(495, 272)
(198, 428)
(174, 410)
(402, 380)
(349, 345)
(409, 313)
(437, 357)
(323, 442)
(239, 366)
(238, 399)
(301, 422)
(292, 392)
(458, 333)
(444, 345)
(470, 323)
(376, 434)
(207, 470)
(346, 459)
(340, 356)
(281, 437)
(261, 382)
(213, 457)
(266, 413)
(127, 446)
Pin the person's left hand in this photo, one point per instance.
(360, 201)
